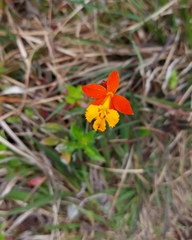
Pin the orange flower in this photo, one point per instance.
(107, 103)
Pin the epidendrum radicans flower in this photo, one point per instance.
(107, 103)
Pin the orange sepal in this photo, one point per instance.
(98, 101)
(94, 90)
(121, 104)
(113, 81)
(111, 105)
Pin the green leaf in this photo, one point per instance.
(139, 57)
(40, 202)
(87, 139)
(13, 119)
(2, 69)
(53, 127)
(143, 132)
(74, 94)
(76, 132)
(74, 91)
(133, 216)
(93, 153)
(2, 146)
(70, 100)
(91, 214)
(71, 146)
(50, 141)
(70, 226)
(126, 195)
(29, 112)
(15, 163)
(2, 237)
(17, 194)
(59, 109)
(67, 147)
(90, 136)
(37, 203)
(173, 79)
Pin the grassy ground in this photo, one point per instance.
(134, 182)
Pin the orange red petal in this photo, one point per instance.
(113, 82)
(122, 105)
(94, 90)
(111, 105)
(98, 101)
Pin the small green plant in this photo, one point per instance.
(2, 237)
(13, 119)
(2, 146)
(74, 94)
(84, 141)
(80, 141)
(77, 141)
(52, 127)
(173, 80)
(29, 112)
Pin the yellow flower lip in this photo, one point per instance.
(101, 114)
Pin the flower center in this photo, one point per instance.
(103, 110)
(107, 101)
